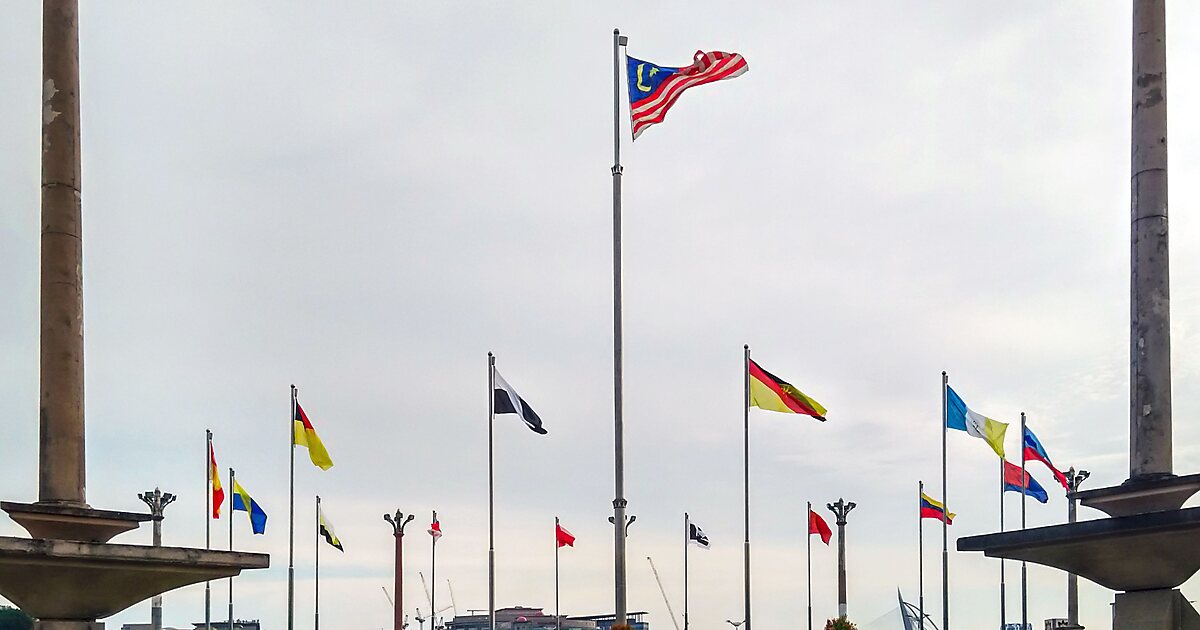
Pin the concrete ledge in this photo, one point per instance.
(1139, 496)
(1150, 551)
(58, 579)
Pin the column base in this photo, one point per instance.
(1163, 609)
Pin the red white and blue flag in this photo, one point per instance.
(1034, 451)
(653, 89)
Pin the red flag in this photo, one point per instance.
(564, 537)
(817, 525)
(435, 529)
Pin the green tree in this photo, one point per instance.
(840, 623)
(13, 619)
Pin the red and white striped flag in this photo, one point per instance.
(654, 89)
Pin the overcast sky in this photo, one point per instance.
(364, 200)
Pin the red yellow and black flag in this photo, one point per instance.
(772, 393)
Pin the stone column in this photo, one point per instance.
(61, 476)
(840, 510)
(398, 522)
(1150, 293)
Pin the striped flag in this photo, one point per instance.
(772, 393)
(214, 475)
(653, 89)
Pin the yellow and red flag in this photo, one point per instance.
(305, 435)
(772, 393)
(214, 475)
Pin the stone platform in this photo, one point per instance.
(59, 579)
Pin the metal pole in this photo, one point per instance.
(291, 516)
(433, 578)
(557, 614)
(1150, 455)
(808, 559)
(231, 486)
(687, 537)
(491, 494)
(619, 503)
(208, 476)
(1003, 581)
(1074, 479)
(61, 461)
(317, 569)
(746, 477)
(1024, 567)
(920, 558)
(398, 523)
(946, 507)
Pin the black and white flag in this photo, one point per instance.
(696, 535)
(506, 400)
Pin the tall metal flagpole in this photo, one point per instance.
(1024, 567)
(946, 507)
(491, 495)
(619, 503)
(208, 476)
(1003, 584)
(687, 535)
(808, 558)
(746, 479)
(316, 569)
(920, 560)
(291, 515)
(557, 615)
(231, 486)
(433, 578)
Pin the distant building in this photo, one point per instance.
(637, 620)
(520, 618)
(238, 624)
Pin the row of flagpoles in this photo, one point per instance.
(652, 91)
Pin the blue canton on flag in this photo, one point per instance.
(653, 89)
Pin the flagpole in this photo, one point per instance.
(208, 476)
(231, 487)
(746, 478)
(687, 534)
(619, 503)
(291, 515)
(557, 616)
(946, 507)
(491, 495)
(433, 578)
(1003, 585)
(1024, 567)
(316, 570)
(808, 558)
(920, 559)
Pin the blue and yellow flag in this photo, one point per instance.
(242, 501)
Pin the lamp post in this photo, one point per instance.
(840, 510)
(398, 522)
(1074, 479)
(158, 502)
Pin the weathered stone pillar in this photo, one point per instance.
(61, 473)
(1150, 292)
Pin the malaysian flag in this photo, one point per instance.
(654, 89)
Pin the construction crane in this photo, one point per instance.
(434, 615)
(453, 604)
(663, 591)
(393, 603)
